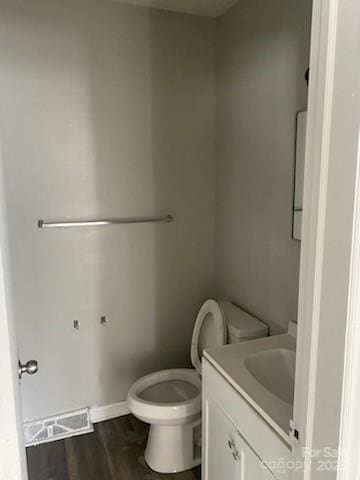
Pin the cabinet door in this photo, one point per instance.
(221, 458)
(226, 454)
(252, 466)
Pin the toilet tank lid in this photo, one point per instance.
(241, 324)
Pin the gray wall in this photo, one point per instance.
(263, 50)
(110, 110)
(105, 110)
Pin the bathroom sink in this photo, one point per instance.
(263, 372)
(274, 369)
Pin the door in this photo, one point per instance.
(252, 466)
(12, 450)
(221, 457)
(226, 454)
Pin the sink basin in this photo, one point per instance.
(274, 369)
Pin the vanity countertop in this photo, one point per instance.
(232, 361)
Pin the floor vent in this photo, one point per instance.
(57, 427)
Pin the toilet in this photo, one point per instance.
(170, 400)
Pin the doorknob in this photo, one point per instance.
(29, 367)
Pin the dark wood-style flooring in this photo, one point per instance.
(115, 451)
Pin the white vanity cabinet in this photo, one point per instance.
(237, 442)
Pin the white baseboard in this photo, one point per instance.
(106, 412)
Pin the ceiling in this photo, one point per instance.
(207, 8)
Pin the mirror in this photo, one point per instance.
(299, 173)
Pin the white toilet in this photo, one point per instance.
(170, 400)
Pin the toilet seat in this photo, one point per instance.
(209, 331)
(166, 397)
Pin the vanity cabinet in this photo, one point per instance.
(237, 442)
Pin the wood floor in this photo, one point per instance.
(113, 452)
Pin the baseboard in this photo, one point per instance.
(106, 412)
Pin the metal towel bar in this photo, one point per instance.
(103, 221)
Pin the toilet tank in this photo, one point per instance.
(242, 326)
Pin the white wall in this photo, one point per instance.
(105, 110)
(263, 50)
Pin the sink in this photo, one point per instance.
(274, 369)
(263, 372)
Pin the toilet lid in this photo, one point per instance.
(209, 331)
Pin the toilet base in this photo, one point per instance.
(174, 448)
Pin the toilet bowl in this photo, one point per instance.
(168, 397)
(170, 400)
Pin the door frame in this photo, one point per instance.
(329, 294)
